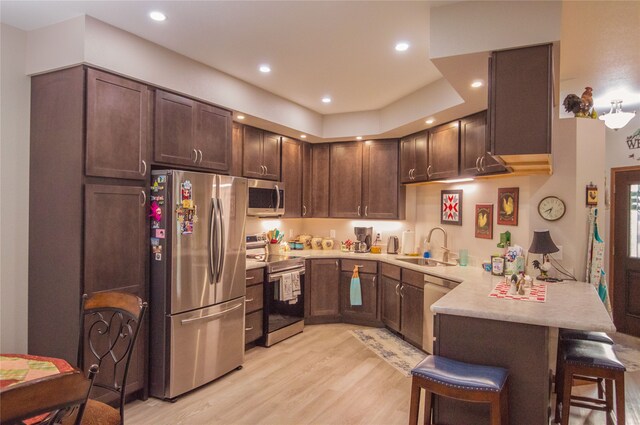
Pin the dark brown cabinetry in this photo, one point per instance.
(236, 150)
(390, 296)
(261, 154)
(474, 147)
(346, 180)
(95, 237)
(413, 158)
(443, 151)
(307, 194)
(520, 100)
(117, 114)
(320, 164)
(191, 133)
(292, 177)
(412, 310)
(254, 305)
(323, 302)
(367, 313)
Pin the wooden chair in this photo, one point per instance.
(110, 324)
(56, 396)
(460, 381)
(595, 360)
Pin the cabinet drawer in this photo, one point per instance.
(253, 326)
(253, 299)
(367, 266)
(390, 271)
(413, 278)
(255, 276)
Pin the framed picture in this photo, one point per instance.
(451, 207)
(592, 195)
(484, 221)
(508, 206)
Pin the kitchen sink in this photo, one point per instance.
(426, 262)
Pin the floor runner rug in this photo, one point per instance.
(398, 353)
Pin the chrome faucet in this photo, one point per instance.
(445, 256)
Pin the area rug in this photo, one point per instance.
(628, 356)
(398, 353)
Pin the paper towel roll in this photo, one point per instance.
(408, 242)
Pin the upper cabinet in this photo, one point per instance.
(292, 176)
(117, 117)
(261, 154)
(307, 194)
(413, 158)
(191, 133)
(320, 163)
(346, 180)
(443, 151)
(520, 106)
(474, 147)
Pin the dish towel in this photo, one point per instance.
(295, 281)
(356, 291)
(286, 293)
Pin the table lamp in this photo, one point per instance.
(543, 244)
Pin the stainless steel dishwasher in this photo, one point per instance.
(434, 289)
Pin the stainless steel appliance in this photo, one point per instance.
(283, 307)
(434, 289)
(198, 259)
(266, 198)
(393, 245)
(364, 236)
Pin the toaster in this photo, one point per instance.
(393, 245)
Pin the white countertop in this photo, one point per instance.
(573, 305)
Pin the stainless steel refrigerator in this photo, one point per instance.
(198, 257)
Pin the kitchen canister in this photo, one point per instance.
(408, 242)
(306, 241)
(316, 243)
(327, 244)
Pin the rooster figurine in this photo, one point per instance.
(580, 106)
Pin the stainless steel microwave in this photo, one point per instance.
(266, 198)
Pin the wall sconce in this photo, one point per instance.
(617, 119)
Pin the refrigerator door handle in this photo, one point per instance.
(212, 240)
(209, 316)
(221, 247)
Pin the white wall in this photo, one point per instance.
(14, 190)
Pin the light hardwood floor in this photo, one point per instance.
(322, 376)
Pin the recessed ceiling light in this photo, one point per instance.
(265, 68)
(157, 16)
(303, 136)
(326, 99)
(240, 117)
(477, 84)
(430, 121)
(359, 138)
(402, 46)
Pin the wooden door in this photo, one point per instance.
(174, 130)
(213, 137)
(252, 153)
(271, 156)
(345, 181)
(307, 204)
(626, 250)
(320, 162)
(236, 150)
(117, 115)
(292, 176)
(443, 151)
(324, 284)
(390, 299)
(472, 143)
(369, 291)
(380, 185)
(421, 156)
(407, 159)
(412, 307)
(520, 100)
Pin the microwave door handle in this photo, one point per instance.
(221, 246)
(212, 238)
(277, 199)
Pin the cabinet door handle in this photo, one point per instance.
(337, 265)
(144, 167)
(402, 292)
(482, 163)
(248, 329)
(251, 277)
(196, 158)
(304, 210)
(411, 174)
(144, 197)
(397, 286)
(248, 300)
(266, 169)
(359, 211)
(200, 152)
(429, 171)
(359, 266)
(366, 210)
(373, 281)
(477, 164)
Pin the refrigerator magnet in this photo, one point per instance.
(158, 256)
(186, 190)
(160, 233)
(156, 249)
(155, 241)
(156, 211)
(162, 179)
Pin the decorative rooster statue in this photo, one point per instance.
(581, 106)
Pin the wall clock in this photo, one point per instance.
(551, 208)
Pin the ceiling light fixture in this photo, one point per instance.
(303, 136)
(265, 68)
(402, 46)
(616, 119)
(157, 16)
(477, 84)
(240, 117)
(430, 121)
(326, 99)
(359, 138)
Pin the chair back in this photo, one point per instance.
(109, 324)
(57, 396)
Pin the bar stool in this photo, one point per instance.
(595, 360)
(460, 381)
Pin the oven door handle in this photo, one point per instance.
(276, 276)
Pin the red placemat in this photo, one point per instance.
(537, 293)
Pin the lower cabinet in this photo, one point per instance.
(412, 313)
(254, 305)
(402, 302)
(323, 281)
(390, 299)
(368, 311)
